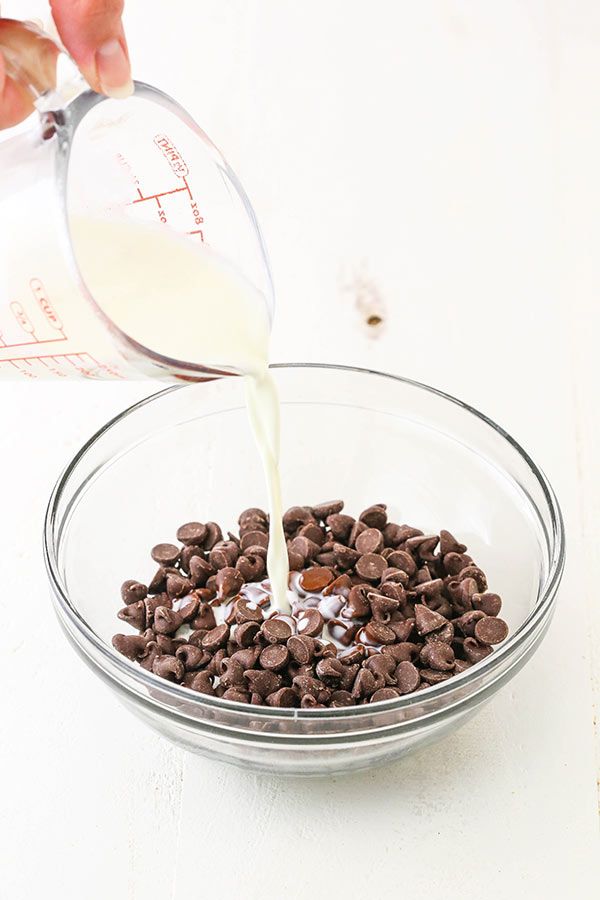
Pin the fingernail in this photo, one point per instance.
(113, 70)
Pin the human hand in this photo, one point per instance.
(91, 31)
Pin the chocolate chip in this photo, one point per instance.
(374, 516)
(246, 633)
(295, 561)
(402, 560)
(382, 607)
(461, 665)
(313, 532)
(365, 684)
(224, 553)
(476, 573)
(454, 563)
(262, 682)
(254, 524)
(231, 672)
(466, 623)
(407, 677)
(229, 583)
(251, 568)
(192, 657)
(166, 621)
(253, 513)
(237, 695)
(216, 637)
(445, 634)
(247, 611)
(205, 617)
(283, 697)
(326, 559)
(438, 656)
(310, 622)
(158, 581)
(188, 608)
(371, 567)
(306, 684)
(130, 645)
(394, 590)
(405, 651)
(433, 676)
(165, 554)
(427, 620)
(166, 644)
(430, 588)
(133, 591)
(275, 657)
(307, 549)
(186, 556)
(392, 535)
(423, 545)
(247, 657)
(358, 602)
(302, 648)
(370, 541)
(353, 655)
(378, 633)
(213, 535)
(383, 666)
(339, 587)
(134, 614)
(490, 604)
(356, 530)
(315, 579)
(168, 667)
(397, 576)
(449, 544)
(276, 631)
(322, 511)
(491, 630)
(474, 651)
(344, 556)
(403, 630)
(201, 682)
(386, 693)
(192, 533)
(297, 516)
(200, 571)
(254, 539)
(340, 526)
(177, 586)
(330, 670)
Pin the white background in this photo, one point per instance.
(445, 153)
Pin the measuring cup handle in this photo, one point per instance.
(30, 56)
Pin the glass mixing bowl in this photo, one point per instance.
(187, 454)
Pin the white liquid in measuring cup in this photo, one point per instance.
(182, 301)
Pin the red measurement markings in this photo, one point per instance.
(142, 198)
(125, 164)
(172, 155)
(181, 170)
(22, 318)
(84, 363)
(39, 292)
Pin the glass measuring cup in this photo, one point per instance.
(142, 159)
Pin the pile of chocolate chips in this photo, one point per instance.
(379, 610)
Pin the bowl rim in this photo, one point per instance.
(148, 680)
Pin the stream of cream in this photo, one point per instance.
(184, 302)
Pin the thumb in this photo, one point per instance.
(92, 32)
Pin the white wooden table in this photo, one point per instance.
(447, 154)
